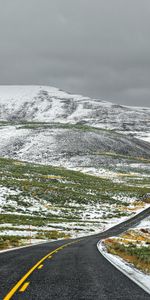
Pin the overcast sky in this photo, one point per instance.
(98, 48)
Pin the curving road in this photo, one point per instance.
(76, 271)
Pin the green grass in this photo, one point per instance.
(12, 241)
(54, 235)
(82, 127)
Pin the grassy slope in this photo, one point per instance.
(65, 196)
(69, 193)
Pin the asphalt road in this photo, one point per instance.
(76, 271)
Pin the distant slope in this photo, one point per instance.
(68, 145)
(48, 104)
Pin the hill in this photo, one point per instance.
(48, 104)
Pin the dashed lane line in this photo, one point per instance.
(22, 282)
(40, 267)
(24, 287)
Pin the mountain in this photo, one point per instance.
(48, 104)
(46, 125)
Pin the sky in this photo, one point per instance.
(97, 48)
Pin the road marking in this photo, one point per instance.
(22, 280)
(40, 267)
(24, 287)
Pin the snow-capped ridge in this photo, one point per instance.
(49, 104)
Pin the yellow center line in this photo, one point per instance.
(22, 280)
(24, 287)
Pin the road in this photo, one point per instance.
(76, 271)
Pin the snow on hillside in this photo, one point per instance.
(48, 104)
(69, 147)
(35, 103)
(67, 137)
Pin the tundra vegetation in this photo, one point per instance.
(133, 246)
(44, 202)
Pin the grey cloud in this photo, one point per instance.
(98, 48)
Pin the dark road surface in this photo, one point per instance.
(77, 271)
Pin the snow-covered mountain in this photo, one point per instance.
(48, 104)
(46, 125)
